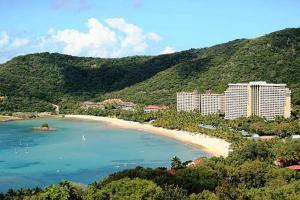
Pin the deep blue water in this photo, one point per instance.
(30, 159)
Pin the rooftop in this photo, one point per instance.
(212, 94)
(195, 163)
(294, 167)
(260, 83)
(171, 171)
(193, 92)
(154, 107)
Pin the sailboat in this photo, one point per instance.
(83, 139)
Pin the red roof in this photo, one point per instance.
(198, 162)
(171, 171)
(294, 167)
(153, 107)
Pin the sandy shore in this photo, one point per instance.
(212, 145)
(4, 118)
(24, 115)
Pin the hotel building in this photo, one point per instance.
(257, 98)
(204, 103)
(240, 100)
(211, 103)
(188, 101)
(236, 101)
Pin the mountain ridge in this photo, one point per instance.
(45, 77)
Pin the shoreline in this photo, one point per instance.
(24, 116)
(212, 145)
(4, 118)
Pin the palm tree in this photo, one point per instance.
(176, 163)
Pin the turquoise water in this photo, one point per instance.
(30, 159)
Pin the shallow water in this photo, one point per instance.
(80, 151)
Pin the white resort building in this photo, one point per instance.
(188, 101)
(240, 100)
(236, 101)
(211, 104)
(204, 103)
(257, 98)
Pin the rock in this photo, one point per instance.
(43, 129)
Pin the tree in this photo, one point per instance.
(252, 150)
(176, 163)
(288, 150)
(63, 191)
(45, 125)
(205, 195)
(288, 191)
(172, 192)
(196, 179)
(252, 174)
(127, 189)
(228, 191)
(284, 129)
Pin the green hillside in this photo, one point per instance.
(33, 81)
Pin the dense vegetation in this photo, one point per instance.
(247, 173)
(34, 81)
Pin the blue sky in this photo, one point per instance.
(117, 28)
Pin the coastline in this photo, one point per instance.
(212, 145)
(4, 118)
(24, 115)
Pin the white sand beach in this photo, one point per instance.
(212, 145)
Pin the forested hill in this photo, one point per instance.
(38, 79)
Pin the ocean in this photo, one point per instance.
(80, 151)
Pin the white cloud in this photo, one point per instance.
(51, 31)
(168, 50)
(19, 42)
(8, 43)
(115, 37)
(11, 46)
(154, 37)
(97, 41)
(4, 39)
(134, 37)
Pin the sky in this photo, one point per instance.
(117, 28)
